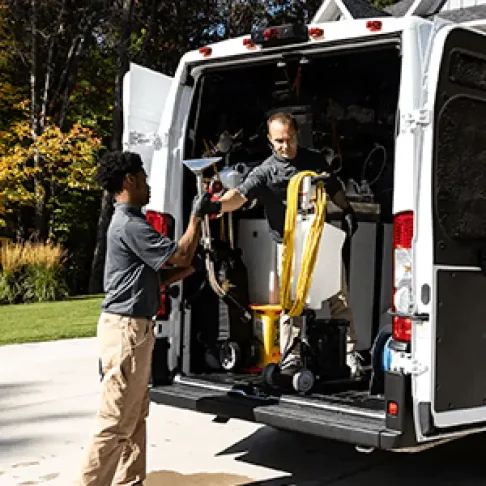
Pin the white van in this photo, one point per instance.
(402, 102)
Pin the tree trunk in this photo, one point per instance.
(36, 126)
(123, 62)
(98, 264)
(97, 268)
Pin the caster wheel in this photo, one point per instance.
(303, 381)
(230, 356)
(269, 373)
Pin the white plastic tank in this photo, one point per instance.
(327, 275)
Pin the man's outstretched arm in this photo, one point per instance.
(231, 201)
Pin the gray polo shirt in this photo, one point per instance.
(269, 181)
(135, 253)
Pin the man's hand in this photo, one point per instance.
(203, 206)
(349, 222)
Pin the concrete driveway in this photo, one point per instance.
(49, 394)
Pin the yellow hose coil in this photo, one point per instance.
(311, 247)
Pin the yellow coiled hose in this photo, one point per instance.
(311, 247)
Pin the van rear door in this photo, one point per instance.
(144, 97)
(155, 110)
(449, 336)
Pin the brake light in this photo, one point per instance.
(206, 51)
(316, 32)
(402, 275)
(270, 34)
(280, 35)
(374, 25)
(159, 221)
(163, 224)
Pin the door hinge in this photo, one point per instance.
(138, 138)
(416, 119)
(404, 363)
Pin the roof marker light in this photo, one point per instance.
(316, 32)
(248, 43)
(206, 51)
(374, 25)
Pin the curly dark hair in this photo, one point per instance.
(113, 168)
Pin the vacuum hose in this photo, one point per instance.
(245, 315)
(311, 247)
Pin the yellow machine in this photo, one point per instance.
(266, 328)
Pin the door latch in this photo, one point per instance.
(138, 138)
(416, 119)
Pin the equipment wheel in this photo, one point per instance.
(211, 358)
(269, 373)
(303, 381)
(230, 356)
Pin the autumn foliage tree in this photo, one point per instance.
(67, 164)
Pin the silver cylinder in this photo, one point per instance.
(305, 194)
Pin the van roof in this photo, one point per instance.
(332, 32)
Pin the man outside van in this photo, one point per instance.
(135, 256)
(268, 184)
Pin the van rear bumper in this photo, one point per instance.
(352, 425)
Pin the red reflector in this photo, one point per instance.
(206, 51)
(403, 230)
(401, 329)
(316, 32)
(270, 34)
(374, 25)
(247, 42)
(392, 408)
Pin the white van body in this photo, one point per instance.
(440, 381)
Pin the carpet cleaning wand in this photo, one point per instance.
(198, 166)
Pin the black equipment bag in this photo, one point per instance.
(232, 275)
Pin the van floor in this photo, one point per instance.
(338, 394)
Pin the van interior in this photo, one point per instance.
(346, 107)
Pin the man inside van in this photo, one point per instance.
(268, 184)
(136, 255)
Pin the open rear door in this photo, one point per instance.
(449, 343)
(144, 97)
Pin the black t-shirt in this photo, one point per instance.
(268, 183)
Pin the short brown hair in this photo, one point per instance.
(285, 119)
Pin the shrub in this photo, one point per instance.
(32, 272)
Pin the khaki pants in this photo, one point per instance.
(338, 306)
(117, 450)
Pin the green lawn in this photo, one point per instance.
(73, 318)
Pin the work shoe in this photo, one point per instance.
(355, 363)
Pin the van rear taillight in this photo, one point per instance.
(163, 224)
(402, 275)
(159, 221)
